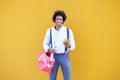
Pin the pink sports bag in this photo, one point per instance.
(45, 61)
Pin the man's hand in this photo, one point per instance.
(51, 50)
(66, 43)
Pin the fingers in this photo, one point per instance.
(67, 44)
(51, 50)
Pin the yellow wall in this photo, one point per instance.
(96, 28)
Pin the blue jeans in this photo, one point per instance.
(63, 61)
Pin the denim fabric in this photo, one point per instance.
(63, 61)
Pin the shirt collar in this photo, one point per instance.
(59, 29)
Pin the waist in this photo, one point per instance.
(61, 53)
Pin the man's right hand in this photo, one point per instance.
(51, 50)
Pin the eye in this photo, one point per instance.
(59, 18)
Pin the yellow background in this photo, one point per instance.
(96, 27)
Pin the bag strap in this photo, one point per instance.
(67, 29)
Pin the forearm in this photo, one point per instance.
(46, 47)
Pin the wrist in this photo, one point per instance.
(69, 46)
(48, 50)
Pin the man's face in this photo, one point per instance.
(59, 21)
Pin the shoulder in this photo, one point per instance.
(48, 30)
(65, 27)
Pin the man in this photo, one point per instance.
(63, 40)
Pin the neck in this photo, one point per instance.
(57, 27)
